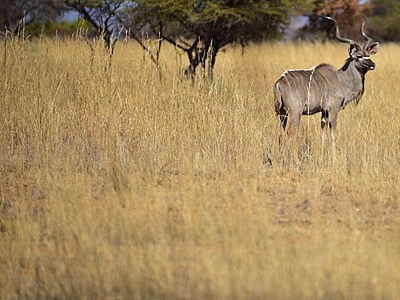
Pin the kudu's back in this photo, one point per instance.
(306, 92)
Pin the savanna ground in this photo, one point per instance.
(119, 184)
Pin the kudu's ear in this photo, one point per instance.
(373, 48)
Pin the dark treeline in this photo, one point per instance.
(200, 28)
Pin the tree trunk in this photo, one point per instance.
(203, 53)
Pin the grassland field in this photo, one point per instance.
(123, 182)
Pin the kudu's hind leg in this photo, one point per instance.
(283, 136)
(283, 118)
(292, 137)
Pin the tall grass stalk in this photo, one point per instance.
(116, 183)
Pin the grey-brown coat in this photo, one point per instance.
(323, 88)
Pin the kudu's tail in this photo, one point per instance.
(277, 99)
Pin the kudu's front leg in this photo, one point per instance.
(328, 119)
(324, 121)
(332, 128)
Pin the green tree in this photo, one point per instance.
(13, 12)
(385, 20)
(103, 15)
(209, 25)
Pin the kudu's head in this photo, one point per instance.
(360, 55)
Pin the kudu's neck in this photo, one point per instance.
(350, 65)
(352, 81)
(352, 72)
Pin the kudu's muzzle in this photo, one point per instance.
(372, 65)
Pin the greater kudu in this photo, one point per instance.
(323, 88)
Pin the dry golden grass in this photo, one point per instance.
(117, 184)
